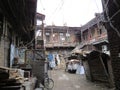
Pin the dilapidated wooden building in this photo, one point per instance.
(17, 20)
(94, 35)
(98, 68)
(94, 42)
(60, 39)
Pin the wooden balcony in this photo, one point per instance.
(60, 44)
(97, 39)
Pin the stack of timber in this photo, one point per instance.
(10, 79)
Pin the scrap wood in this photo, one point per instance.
(6, 68)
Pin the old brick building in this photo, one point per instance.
(94, 38)
(112, 14)
(60, 39)
(94, 35)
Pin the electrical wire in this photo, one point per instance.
(34, 38)
(115, 29)
(110, 23)
(57, 9)
(114, 15)
(60, 8)
(105, 10)
(110, 18)
(42, 5)
(105, 7)
(116, 3)
(97, 5)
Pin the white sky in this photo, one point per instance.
(71, 12)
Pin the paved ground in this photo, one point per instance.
(66, 81)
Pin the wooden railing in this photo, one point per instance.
(61, 44)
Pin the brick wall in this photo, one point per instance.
(4, 54)
(113, 38)
(38, 70)
(114, 50)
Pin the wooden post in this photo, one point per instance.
(108, 76)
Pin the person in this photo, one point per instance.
(80, 69)
(56, 62)
(15, 62)
(51, 60)
(69, 67)
(75, 66)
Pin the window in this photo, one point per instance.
(47, 34)
(104, 47)
(62, 37)
(68, 37)
(47, 37)
(85, 35)
(55, 37)
(100, 31)
(61, 34)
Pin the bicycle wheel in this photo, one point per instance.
(49, 83)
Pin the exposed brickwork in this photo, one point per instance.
(1, 53)
(114, 39)
(4, 46)
(114, 50)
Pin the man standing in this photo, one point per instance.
(50, 59)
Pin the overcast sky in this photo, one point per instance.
(71, 12)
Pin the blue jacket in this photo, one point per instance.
(50, 57)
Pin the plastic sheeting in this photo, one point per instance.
(80, 69)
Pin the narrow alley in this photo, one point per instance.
(66, 81)
(42, 51)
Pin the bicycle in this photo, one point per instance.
(48, 82)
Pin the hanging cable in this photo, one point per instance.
(115, 29)
(34, 38)
(60, 8)
(105, 8)
(57, 9)
(114, 15)
(110, 23)
(97, 5)
(109, 19)
(42, 5)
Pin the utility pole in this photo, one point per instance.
(41, 18)
(43, 35)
